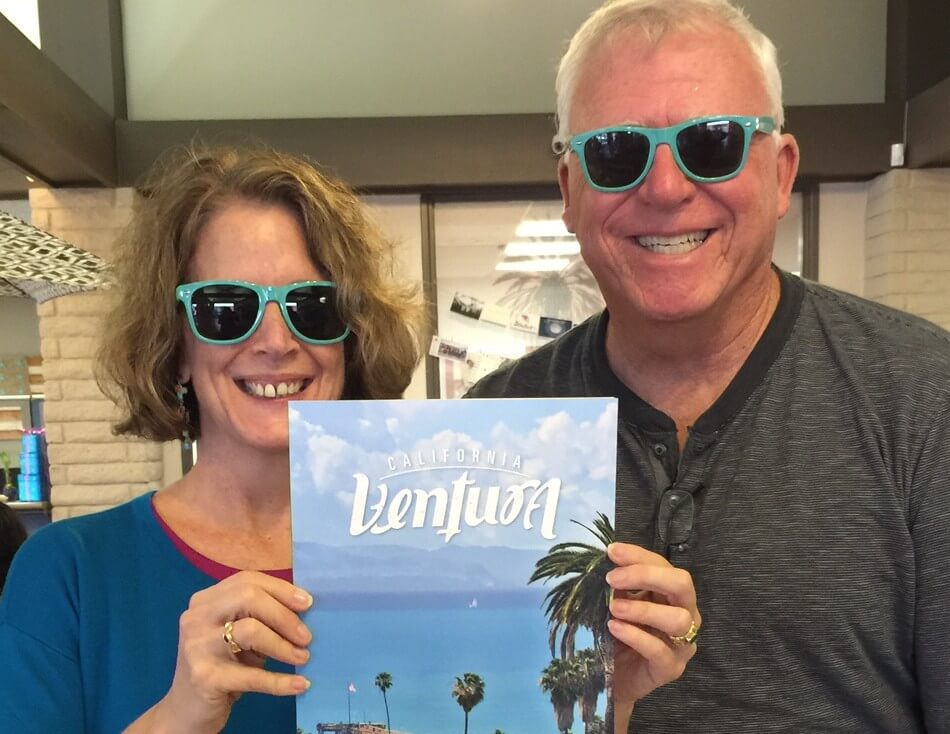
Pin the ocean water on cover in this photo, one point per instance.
(424, 641)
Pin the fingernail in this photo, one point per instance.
(302, 653)
(303, 597)
(300, 684)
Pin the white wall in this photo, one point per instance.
(19, 326)
(841, 237)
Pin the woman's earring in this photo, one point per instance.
(180, 392)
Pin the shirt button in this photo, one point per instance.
(680, 548)
(659, 449)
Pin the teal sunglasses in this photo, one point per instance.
(707, 150)
(229, 311)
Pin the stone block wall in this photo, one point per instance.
(90, 469)
(907, 255)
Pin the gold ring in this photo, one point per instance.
(229, 638)
(689, 638)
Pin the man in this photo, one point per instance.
(786, 444)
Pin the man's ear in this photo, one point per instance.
(564, 182)
(786, 169)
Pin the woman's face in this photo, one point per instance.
(243, 389)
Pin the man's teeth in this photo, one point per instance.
(675, 245)
(270, 390)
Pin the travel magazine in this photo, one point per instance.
(418, 526)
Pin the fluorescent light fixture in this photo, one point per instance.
(542, 228)
(30, 179)
(539, 249)
(545, 265)
(25, 15)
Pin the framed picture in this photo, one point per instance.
(466, 306)
(552, 328)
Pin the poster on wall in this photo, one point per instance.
(552, 328)
(419, 527)
(445, 349)
(525, 322)
(466, 306)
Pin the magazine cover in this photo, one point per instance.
(455, 549)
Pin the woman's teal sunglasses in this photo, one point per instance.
(229, 311)
(707, 150)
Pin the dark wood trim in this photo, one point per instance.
(811, 220)
(430, 290)
(845, 142)
(928, 30)
(380, 154)
(895, 79)
(117, 59)
(928, 129)
(48, 125)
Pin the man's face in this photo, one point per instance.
(687, 75)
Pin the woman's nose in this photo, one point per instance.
(273, 334)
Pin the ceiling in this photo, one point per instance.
(240, 59)
(313, 59)
(13, 182)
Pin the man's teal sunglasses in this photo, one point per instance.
(707, 150)
(229, 311)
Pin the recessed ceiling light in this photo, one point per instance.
(31, 179)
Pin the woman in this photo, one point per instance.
(12, 535)
(176, 612)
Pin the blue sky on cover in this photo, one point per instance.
(570, 438)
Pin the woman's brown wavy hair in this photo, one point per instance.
(138, 361)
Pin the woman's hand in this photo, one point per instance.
(653, 609)
(209, 677)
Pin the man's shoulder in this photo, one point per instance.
(873, 327)
(556, 369)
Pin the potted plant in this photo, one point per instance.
(8, 486)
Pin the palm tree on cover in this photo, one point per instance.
(581, 596)
(384, 681)
(590, 667)
(469, 691)
(562, 679)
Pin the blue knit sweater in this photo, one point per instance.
(89, 628)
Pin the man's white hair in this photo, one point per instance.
(654, 19)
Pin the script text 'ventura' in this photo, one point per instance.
(454, 506)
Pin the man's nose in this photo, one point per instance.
(665, 183)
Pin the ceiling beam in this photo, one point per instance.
(928, 133)
(838, 142)
(48, 125)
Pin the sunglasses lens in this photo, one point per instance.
(617, 158)
(223, 312)
(712, 149)
(312, 311)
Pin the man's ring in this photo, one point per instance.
(689, 638)
(229, 638)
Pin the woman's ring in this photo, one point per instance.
(229, 638)
(689, 638)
